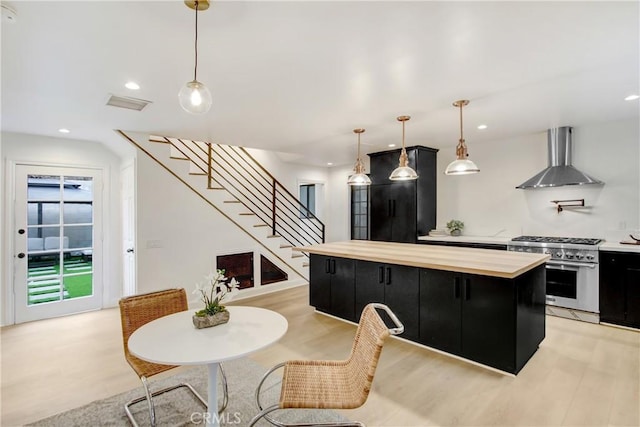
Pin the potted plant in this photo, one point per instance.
(213, 292)
(455, 227)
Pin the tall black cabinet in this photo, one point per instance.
(400, 211)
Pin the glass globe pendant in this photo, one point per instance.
(462, 165)
(194, 97)
(359, 177)
(403, 172)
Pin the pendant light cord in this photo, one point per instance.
(461, 134)
(195, 69)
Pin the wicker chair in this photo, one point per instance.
(329, 384)
(138, 310)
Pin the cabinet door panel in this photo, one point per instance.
(632, 279)
(380, 219)
(488, 319)
(319, 282)
(401, 295)
(612, 289)
(440, 310)
(343, 288)
(369, 284)
(403, 212)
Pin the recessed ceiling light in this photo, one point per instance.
(329, 164)
(482, 127)
(63, 130)
(132, 85)
(632, 97)
(391, 145)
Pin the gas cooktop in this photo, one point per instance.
(561, 240)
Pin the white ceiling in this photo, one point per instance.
(297, 77)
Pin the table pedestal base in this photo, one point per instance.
(212, 417)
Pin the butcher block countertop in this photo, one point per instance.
(486, 262)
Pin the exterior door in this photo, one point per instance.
(57, 241)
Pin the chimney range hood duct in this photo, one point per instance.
(560, 171)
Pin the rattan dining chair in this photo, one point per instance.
(139, 310)
(333, 384)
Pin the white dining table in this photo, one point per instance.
(173, 340)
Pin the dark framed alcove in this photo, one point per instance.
(240, 267)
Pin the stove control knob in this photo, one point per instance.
(590, 257)
(547, 252)
(568, 255)
(558, 254)
(579, 256)
(528, 249)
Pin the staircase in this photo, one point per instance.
(232, 182)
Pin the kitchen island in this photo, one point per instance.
(486, 306)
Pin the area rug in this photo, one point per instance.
(180, 408)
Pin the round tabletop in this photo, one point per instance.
(173, 340)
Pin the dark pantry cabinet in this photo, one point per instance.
(620, 288)
(402, 210)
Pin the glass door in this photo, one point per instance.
(57, 217)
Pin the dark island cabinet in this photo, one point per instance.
(397, 286)
(332, 285)
(620, 288)
(491, 320)
(402, 210)
(476, 316)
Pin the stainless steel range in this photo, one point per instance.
(572, 274)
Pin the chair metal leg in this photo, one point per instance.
(149, 397)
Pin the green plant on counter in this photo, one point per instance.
(455, 225)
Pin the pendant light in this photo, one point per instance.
(462, 165)
(194, 96)
(359, 177)
(403, 172)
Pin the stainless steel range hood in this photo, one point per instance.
(560, 171)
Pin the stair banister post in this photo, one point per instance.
(209, 166)
(273, 208)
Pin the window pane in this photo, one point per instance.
(78, 188)
(43, 279)
(78, 213)
(78, 285)
(39, 213)
(43, 187)
(78, 236)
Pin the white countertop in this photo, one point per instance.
(497, 240)
(619, 247)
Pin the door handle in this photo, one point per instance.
(388, 275)
(380, 274)
(467, 289)
(130, 250)
(456, 287)
(21, 255)
(333, 266)
(327, 267)
(21, 231)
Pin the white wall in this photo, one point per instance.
(488, 202)
(64, 152)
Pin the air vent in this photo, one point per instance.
(127, 102)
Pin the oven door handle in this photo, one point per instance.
(571, 264)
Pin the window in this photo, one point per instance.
(308, 200)
(360, 212)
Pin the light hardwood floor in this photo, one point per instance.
(582, 375)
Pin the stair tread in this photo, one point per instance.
(231, 201)
(273, 236)
(179, 158)
(260, 225)
(247, 213)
